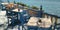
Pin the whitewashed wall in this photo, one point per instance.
(45, 16)
(3, 18)
(58, 21)
(51, 18)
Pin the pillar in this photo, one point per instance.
(51, 19)
(55, 23)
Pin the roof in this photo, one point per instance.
(16, 10)
(4, 3)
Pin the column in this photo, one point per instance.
(55, 23)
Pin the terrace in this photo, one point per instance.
(14, 13)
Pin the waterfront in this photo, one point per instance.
(51, 7)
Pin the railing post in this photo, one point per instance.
(55, 23)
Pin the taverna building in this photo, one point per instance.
(55, 18)
(41, 14)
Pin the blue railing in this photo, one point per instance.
(21, 20)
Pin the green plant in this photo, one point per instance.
(34, 7)
(23, 4)
(18, 3)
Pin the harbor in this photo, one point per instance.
(20, 17)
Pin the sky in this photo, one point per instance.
(28, 0)
(10, 0)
